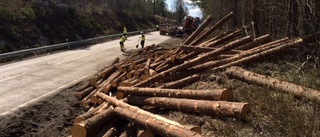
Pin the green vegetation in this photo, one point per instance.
(29, 24)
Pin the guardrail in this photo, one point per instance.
(62, 45)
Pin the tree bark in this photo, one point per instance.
(213, 28)
(91, 126)
(109, 130)
(182, 82)
(85, 92)
(90, 113)
(214, 94)
(224, 108)
(223, 39)
(139, 111)
(256, 42)
(273, 83)
(155, 125)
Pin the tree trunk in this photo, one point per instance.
(92, 125)
(215, 94)
(240, 56)
(90, 113)
(143, 132)
(115, 82)
(109, 130)
(190, 105)
(155, 125)
(182, 82)
(258, 41)
(291, 43)
(213, 28)
(198, 31)
(85, 92)
(273, 83)
(223, 39)
(139, 111)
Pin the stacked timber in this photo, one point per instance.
(154, 76)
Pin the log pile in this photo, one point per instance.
(154, 75)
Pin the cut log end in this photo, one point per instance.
(245, 110)
(227, 95)
(78, 131)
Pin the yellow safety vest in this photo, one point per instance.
(143, 37)
(123, 39)
(124, 30)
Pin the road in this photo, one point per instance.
(29, 81)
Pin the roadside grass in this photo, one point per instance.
(273, 113)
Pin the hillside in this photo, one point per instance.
(36, 24)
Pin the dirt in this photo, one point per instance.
(53, 117)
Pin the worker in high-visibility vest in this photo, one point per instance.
(143, 38)
(122, 40)
(157, 26)
(125, 31)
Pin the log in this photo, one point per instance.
(143, 132)
(152, 72)
(109, 69)
(85, 102)
(85, 92)
(223, 108)
(240, 56)
(214, 94)
(198, 30)
(83, 87)
(90, 126)
(109, 129)
(213, 28)
(257, 41)
(184, 66)
(155, 125)
(139, 111)
(90, 113)
(148, 63)
(262, 54)
(273, 83)
(223, 39)
(182, 82)
(93, 80)
(115, 82)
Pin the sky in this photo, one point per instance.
(193, 11)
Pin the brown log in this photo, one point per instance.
(240, 56)
(155, 64)
(224, 108)
(100, 81)
(198, 30)
(93, 80)
(90, 113)
(256, 42)
(214, 94)
(83, 87)
(85, 92)
(273, 83)
(213, 28)
(262, 54)
(182, 82)
(152, 72)
(155, 125)
(148, 63)
(109, 130)
(115, 82)
(90, 126)
(141, 132)
(139, 111)
(223, 39)
(85, 102)
(184, 66)
(107, 71)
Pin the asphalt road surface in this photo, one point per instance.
(29, 81)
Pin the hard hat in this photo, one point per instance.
(141, 32)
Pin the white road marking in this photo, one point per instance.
(12, 77)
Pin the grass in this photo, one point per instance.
(273, 113)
